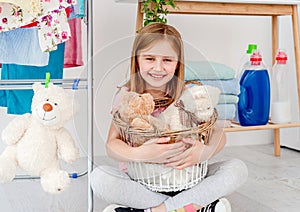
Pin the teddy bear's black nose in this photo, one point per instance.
(47, 107)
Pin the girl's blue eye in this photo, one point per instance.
(149, 58)
(168, 60)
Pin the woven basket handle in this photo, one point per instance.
(193, 82)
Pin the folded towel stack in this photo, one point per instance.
(221, 76)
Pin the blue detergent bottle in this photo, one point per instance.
(245, 63)
(254, 98)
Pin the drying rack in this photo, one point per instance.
(72, 84)
(90, 161)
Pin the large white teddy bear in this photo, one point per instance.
(35, 141)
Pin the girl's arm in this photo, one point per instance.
(199, 152)
(153, 151)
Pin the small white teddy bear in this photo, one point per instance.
(199, 100)
(36, 140)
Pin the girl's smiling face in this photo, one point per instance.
(158, 64)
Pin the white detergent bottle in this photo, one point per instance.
(280, 98)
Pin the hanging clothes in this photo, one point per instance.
(19, 101)
(73, 50)
(22, 47)
(51, 20)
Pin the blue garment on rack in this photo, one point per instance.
(21, 46)
(19, 101)
(78, 10)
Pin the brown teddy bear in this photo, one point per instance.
(136, 109)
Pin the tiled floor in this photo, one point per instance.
(273, 185)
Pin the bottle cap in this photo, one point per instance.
(281, 57)
(251, 47)
(255, 58)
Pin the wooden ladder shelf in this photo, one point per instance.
(275, 9)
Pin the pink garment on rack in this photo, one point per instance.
(73, 51)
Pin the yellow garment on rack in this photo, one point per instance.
(28, 6)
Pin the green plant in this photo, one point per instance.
(156, 11)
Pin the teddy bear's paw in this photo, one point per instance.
(141, 124)
(9, 138)
(71, 155)
(7, 170)
(55, 182)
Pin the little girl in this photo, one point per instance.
(157, 68)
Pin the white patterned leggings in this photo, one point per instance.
(115, 187)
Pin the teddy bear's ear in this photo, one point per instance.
(37, 86)
(214, 93)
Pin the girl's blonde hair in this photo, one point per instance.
(147, 37)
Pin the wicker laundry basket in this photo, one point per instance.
(156, 177)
